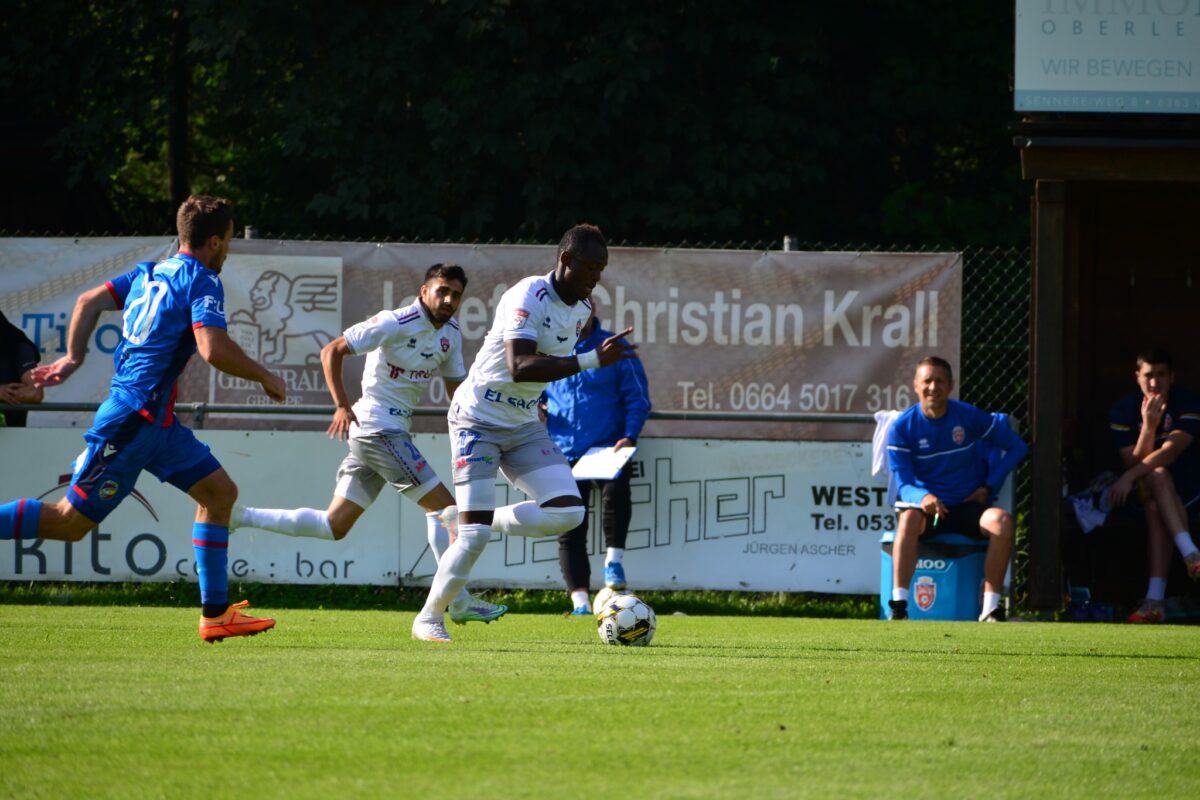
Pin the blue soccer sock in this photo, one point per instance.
(20, 518)
(211, 544)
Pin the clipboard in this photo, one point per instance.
(602, 463)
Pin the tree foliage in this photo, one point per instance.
(693, 120)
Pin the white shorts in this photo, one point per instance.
(477, 451)
(384, 458)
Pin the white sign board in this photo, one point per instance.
(1108, 56)
(707, 514)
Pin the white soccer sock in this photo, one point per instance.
(615, 555)
(439, 542)
(439, 537)
(579, 597)
(900, 594)
(991, 601)
(454, 568)
(1183, 540)
(1157, 589)
(289, 521)
(530, 519)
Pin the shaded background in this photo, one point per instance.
(671, 122)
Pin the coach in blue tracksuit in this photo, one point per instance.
(597, 408)
(946, 484)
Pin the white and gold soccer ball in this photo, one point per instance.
(626, 620)
(603, 597)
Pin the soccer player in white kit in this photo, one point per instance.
(494, 423)
(405, 347)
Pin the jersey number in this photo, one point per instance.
(466, 442)
(139, 316)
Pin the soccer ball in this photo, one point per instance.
(626, 620)
(603, 598)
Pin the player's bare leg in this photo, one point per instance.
(1000, 528)
(1162, 487)
(910, 526)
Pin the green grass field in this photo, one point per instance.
(127, 702)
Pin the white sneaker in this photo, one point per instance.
(426, 630)
(449, 518)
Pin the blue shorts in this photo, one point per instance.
(120, 444)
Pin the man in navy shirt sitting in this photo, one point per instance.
(946, 484)
(1153, 429)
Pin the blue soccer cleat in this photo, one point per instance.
(614, 575)
(581, 611)
(476, 610)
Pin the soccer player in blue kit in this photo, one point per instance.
(172, 309)
(943, 479)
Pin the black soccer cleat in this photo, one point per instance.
(899, 609)
(997, 614)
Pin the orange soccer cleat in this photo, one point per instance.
(1192, 561)
(233, 623)
(1150, 612)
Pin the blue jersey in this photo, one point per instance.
(1182, 414)
(163, 304)
(944, 457)
(597, 407)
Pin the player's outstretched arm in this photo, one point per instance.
(218, 349)
(88, 308)
(333, 355)
(525, 363)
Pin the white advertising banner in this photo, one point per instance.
(731, 331)
(708, 514)
(1108, 56)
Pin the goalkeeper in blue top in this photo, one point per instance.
(171, 309)
(944, 479)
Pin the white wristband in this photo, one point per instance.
(588, 360)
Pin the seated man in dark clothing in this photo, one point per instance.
(18, 357)
(1153, 429)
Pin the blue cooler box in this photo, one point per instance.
(948, 581)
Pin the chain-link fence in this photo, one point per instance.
(994, 369)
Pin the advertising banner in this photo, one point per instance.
(731, 331)
(1108, 56)
(707, 514)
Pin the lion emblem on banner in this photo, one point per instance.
(277, 329)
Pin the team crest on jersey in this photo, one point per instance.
(519, 318)
(926, 592)
(445, 345)
(959, 434)
(108, 490)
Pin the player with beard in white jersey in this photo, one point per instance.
(494, 423)
(405, 347)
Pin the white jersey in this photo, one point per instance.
(404, 351)
(529, 310)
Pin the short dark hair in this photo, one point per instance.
(202, 216)
(582, 238)
(451, 272)
(1155, 355)
(935, 361)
